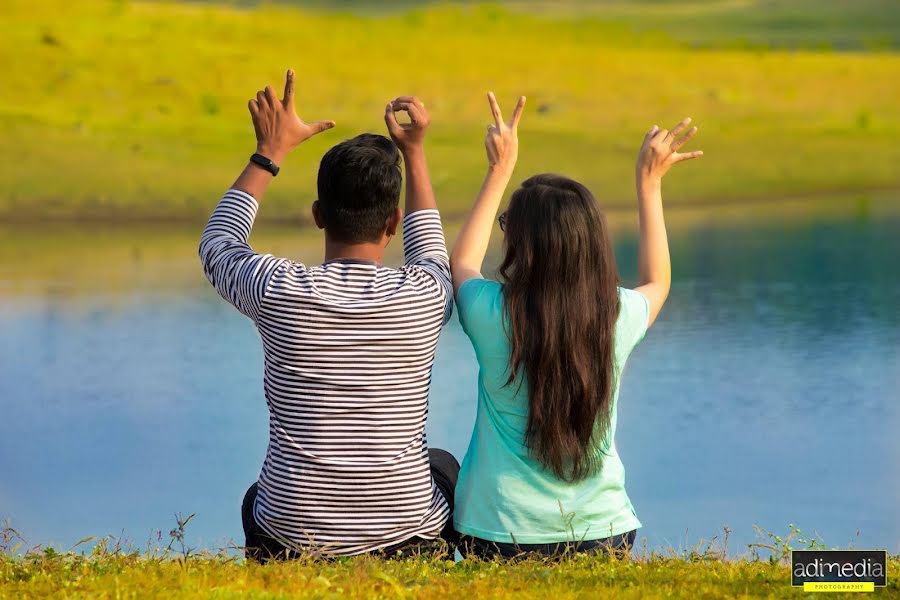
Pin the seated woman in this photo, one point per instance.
(542, 474)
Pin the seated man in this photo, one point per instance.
(349, 344)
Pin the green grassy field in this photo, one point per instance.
(110, 571)
(369, 578)
(741, 24)
(137, 110)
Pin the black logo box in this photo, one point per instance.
(834, 566)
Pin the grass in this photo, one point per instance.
(740, 24)
(137, 110)
(174, 571)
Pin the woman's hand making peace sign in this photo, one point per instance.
(502, 141)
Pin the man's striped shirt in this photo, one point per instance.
(349, 347)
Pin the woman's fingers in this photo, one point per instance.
(678, 128)
(688, 155)
(517, 113)
(495, 109)
(684, 139)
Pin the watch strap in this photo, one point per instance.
(265, 163)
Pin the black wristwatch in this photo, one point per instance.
(265, 163)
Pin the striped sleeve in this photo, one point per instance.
(239, 274)
(424, 247)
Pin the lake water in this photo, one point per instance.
(767, 392)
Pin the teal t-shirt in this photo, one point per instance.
(505, 495)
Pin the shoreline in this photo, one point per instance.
(615, 209)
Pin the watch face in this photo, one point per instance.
(266, 163)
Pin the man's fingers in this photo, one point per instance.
(495, 109)
(414, 111)
(678, 128)
(390, 119)
(261, 100)
(517, 113)
(688, 155)
(684, 139)
(320, 126)
(410, 99)
(289, 88)
(652, 133)
(271, 98)
(402, 105)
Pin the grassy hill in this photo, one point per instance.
(137, 110)
(793, 24)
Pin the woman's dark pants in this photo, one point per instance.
(617, 545)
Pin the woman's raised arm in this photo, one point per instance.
(502, 145)
(658, 154)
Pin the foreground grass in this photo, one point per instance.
(138, 109)
(135, 576)
(371, 578)
(109, 571)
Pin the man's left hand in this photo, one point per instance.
(278, 127)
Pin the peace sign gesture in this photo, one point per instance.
(278, 128)
(502, 141)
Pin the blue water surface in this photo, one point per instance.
(766, 394)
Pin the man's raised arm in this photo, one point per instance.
(423, 234)
(410, 139)
(237, 272)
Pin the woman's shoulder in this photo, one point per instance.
(632, 298)
(634, 315)
(479, 289)
(478, 299)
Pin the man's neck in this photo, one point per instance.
(366, 251)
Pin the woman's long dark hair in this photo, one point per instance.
(560, 288)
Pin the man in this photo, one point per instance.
(349, 344)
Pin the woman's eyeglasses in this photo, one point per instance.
(502, 220)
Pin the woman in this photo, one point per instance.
(551, 337)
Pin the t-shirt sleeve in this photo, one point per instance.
(474, 302)
(634, 316)
(424, 247)
(239, 274)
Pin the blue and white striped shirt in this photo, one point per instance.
(349, 347)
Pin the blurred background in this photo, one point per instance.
(766, 394)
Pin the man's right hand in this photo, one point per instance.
(278, 128)
(407, 136)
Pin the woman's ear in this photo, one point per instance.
(317, 215)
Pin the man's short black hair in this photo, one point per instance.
(359, 188)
